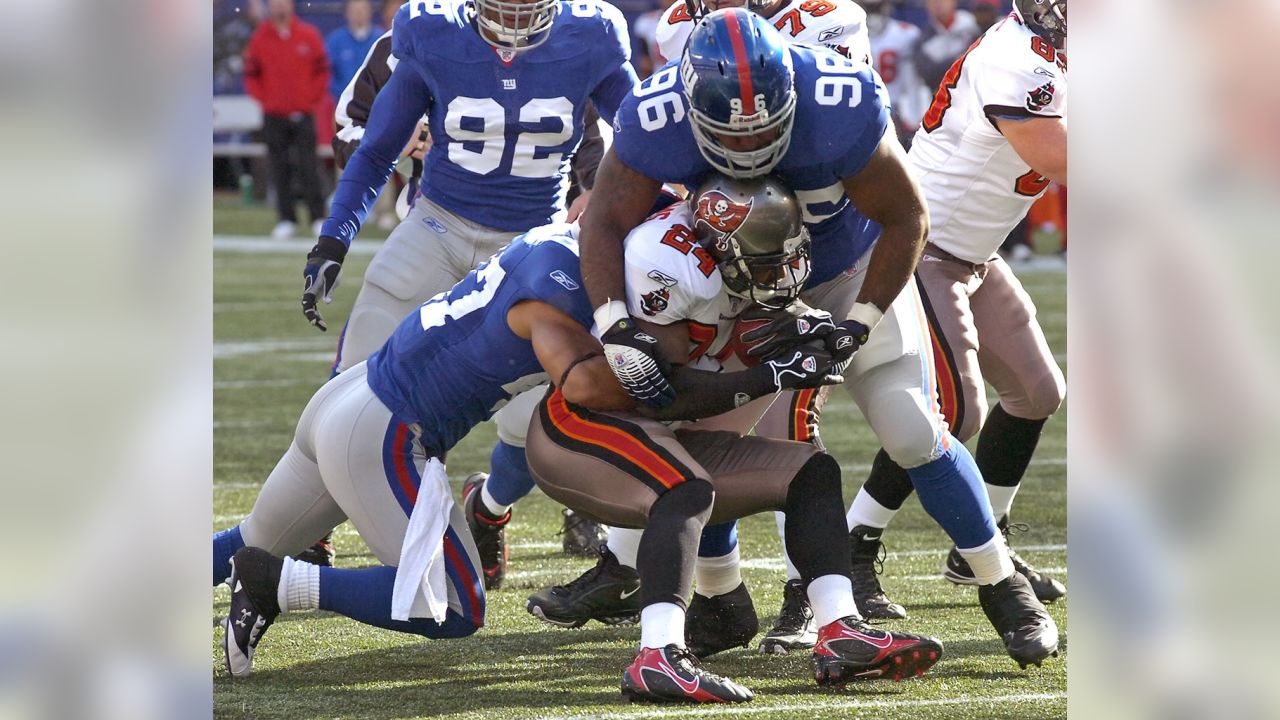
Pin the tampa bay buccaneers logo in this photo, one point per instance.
(1041, 97)
(721, 213)
(655, 302)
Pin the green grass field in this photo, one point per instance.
(267, 363)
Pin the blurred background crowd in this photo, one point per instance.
(267, 98)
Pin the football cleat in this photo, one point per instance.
(321, 553)
(673, 674)
(1047, 589)
(609, 592)
(1028, 633)
(255, 577)
(720, 622)
(581, 536)
(866, 553)
(795, 629)
(490, 533)
(848, 649)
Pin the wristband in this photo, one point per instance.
(607, 314)
(867, 314)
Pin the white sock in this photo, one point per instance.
(831, 597)
(493, 506)
(989, 561)
(624, 543)
(299, 587)
(781, 519)
(661, 624)
(1001, 499)
(866, 511)
(718, 575)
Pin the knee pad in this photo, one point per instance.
(916, 444)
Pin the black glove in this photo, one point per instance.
(807, 366)
(320, 277)
(634, 358)
(794, 325)
(844, 341)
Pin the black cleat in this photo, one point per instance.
(794, 629)
(608, 593)
(849, 649)
(489, 532)
(1047, 589)
(581, 536)
(255, 577)
(673, 674)
(321, 553)
(720, 622)
(1029, 634)
(866, 553)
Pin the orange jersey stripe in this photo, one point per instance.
(613, 440)
(800, 415)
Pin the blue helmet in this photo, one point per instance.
(740, 85)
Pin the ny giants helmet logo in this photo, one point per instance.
(722, 214)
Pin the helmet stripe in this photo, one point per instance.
(743, 62)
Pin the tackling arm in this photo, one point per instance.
(559, 342)
(885, 191)
(1041, 143)
(621, 200)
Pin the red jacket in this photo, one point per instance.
(286, 73)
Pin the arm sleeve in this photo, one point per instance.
(1021, 91)
(874, 117)
(701, 394)
(590, 151)
(618, 77)
(352, 112)
(392, 120)
(253, 68)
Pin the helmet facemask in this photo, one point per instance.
(1047, 18)
(773, 280)
(708, 132)
(515, 26)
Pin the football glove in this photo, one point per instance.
(794, 325)
(807, 366)
(320, 277)
(634, 359)
(844, 341)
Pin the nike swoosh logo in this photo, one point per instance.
(625, 595)
(685, 685)
(881, 643)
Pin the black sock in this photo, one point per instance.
(815, 524)
(888, 484)
(669, 545)
(1005, 447)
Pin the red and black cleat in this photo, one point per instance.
(673, 674)
(849, 649)
(489, 532)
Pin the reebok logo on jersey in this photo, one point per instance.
(1040, 98)
(566, 281)
(655, 302)
(831, 33)
(662, 278)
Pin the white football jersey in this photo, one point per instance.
(671, 278)
(976, 185)
(893, 52)
(838, 24)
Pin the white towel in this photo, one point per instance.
(421, 569)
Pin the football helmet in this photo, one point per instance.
(515, 26)
(753, 230)
(1046, 18)
(879, 13)
(740, 86)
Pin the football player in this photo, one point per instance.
(370, 444)
(994, 138)
(893, 48)
(734, 243)
(838, 24)
(742, 102)
(504, 85)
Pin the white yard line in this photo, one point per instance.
(265, 245)
(820, 707)
(231, 349)
(279, 382)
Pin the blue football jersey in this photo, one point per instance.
(504, 126)
(454, 361)
(842, 112)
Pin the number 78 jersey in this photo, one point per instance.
(837, 24)
(977, 186)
